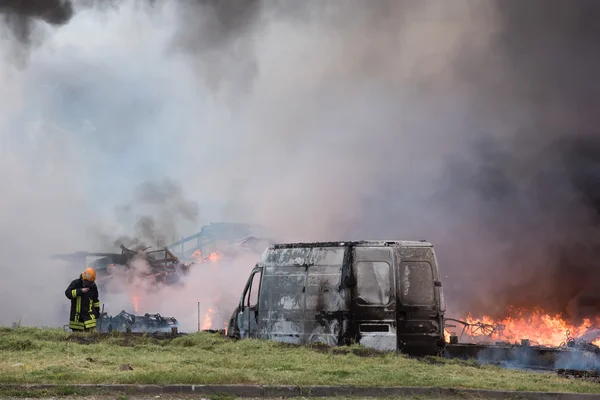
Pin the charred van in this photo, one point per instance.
(385, 295)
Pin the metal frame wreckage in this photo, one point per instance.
(164, 266)
(172, 262)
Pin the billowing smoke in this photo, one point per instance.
(467, 123)
(156, 215)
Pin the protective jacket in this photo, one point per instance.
(85, 307)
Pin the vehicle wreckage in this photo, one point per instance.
(381, 294)
(385, 295)
(126, 322)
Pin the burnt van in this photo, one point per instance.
(385, 295)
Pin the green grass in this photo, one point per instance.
(30, 355)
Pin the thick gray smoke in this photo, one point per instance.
(456, 121)
(535, 186)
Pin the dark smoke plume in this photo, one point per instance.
(218, 38)
(20, 15)
(538, 193)
(217, 31)
(154, 217)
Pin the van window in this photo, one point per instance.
(254, 289)
(373, 282)
(301, 256)
(417, 284)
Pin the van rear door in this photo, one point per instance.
(373, 305)
(419, 315)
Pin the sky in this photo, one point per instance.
(322, 121)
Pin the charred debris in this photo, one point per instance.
(575, 357)
(129, 323)
(147, 324)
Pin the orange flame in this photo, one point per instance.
(197, 256)
(214, 256)
(539, 327)
(136, 303)
(447, 335)
(207, 322)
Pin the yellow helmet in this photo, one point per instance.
(89, 275)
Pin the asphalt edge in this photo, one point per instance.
(306, 391)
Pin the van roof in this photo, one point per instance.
(374, 243)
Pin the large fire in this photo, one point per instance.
(538, 327)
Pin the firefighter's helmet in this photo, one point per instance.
(89, 275)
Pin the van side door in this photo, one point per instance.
(247, 318)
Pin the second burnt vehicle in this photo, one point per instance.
(385, 295)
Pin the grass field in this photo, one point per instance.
(29, 355)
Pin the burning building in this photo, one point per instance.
(169, 280)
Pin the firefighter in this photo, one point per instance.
(85, 306)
